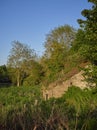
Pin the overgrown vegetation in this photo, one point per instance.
(23, 108)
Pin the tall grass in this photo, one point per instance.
(75, 110)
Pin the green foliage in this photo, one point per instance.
(3, 74)
(57, 45)
(90, 75)
(90, 28)
(23, 108)
(76, 109)
(16, 105)
(84, 104)
(19, 55)
(78, 100)
(34, 74)
(13, 96)
(63, 34)
(79, 41)
(89, 48)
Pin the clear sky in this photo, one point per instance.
(28, 21)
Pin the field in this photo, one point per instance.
(23, 108)
(15, 100)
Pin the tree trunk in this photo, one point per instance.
(18, 77)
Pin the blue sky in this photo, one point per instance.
(28, 21)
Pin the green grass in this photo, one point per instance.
(18, 110)
(18, 95)
(16, 104)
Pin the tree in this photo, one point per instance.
(19, 55)
(79, 40)
(34, 74)
(63, 35)
(58, 43)
(4, 76)
(89, 25)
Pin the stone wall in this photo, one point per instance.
(57, 89)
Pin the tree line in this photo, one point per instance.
(65, 48)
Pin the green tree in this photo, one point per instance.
(19, 55)
(4, 76)
(79, 40)
(58, 43)
(34, 73)
(89, 50)
(63, 35)
(89, 25)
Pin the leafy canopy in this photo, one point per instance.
(20, 55)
